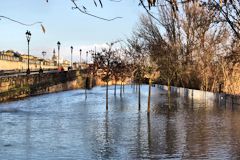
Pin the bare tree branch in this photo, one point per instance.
(24, 24)
(92, 15)
(148, 12)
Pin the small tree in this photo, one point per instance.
(115, 68)
(104, 62)
(138, 78)
(149, 74)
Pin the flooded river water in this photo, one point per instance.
(65, 125)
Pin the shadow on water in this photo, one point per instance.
(16, 111)
(9, 110)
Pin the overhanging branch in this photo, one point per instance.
(24, 24)
(90, 14)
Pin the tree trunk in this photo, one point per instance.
(115, 88)
(149, 95)
(131, 83)
(139, 96)
(121, 89)
(107, 96)
(85, 88)
(169, 86)
(149, 130)
(169, 94)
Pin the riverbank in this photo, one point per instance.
(22, 86)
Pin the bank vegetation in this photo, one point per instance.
(196, 47)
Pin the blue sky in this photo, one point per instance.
(63, 24)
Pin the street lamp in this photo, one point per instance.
(86, 57)
(43, 54)
(80, 58)
(92, 54)
(71, 55)
(28, 36)
(58, 44)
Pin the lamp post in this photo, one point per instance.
(86, 57)
(28, 36)
(92, 53)
(71, 55)
(58, 44)
(93, 57)
(80, 58)
(43, 54)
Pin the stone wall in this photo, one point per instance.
(16, 87)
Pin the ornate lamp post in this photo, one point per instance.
(86, 57)
(92, 53)
(58, 44)
(71, 55)
(80, 57)
(28, 36)
(43, 54)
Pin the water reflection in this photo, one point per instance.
(66, 126)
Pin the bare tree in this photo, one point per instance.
(104, 62)
(192, 48)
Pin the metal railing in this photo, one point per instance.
(24, 71)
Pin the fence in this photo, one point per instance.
(223, 99)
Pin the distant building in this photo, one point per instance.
(66, 63)
(9, 58)
(10, 55)
(54, 58)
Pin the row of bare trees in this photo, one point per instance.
(117, 65)
(112, 66)
(196, 48)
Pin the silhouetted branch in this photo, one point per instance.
(231, 19)
(92, 15)
(148, 12)
(25, 24)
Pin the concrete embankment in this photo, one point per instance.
(17, 87)
(209, 97)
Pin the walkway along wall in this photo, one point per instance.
(16, 87)
(209, 97)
